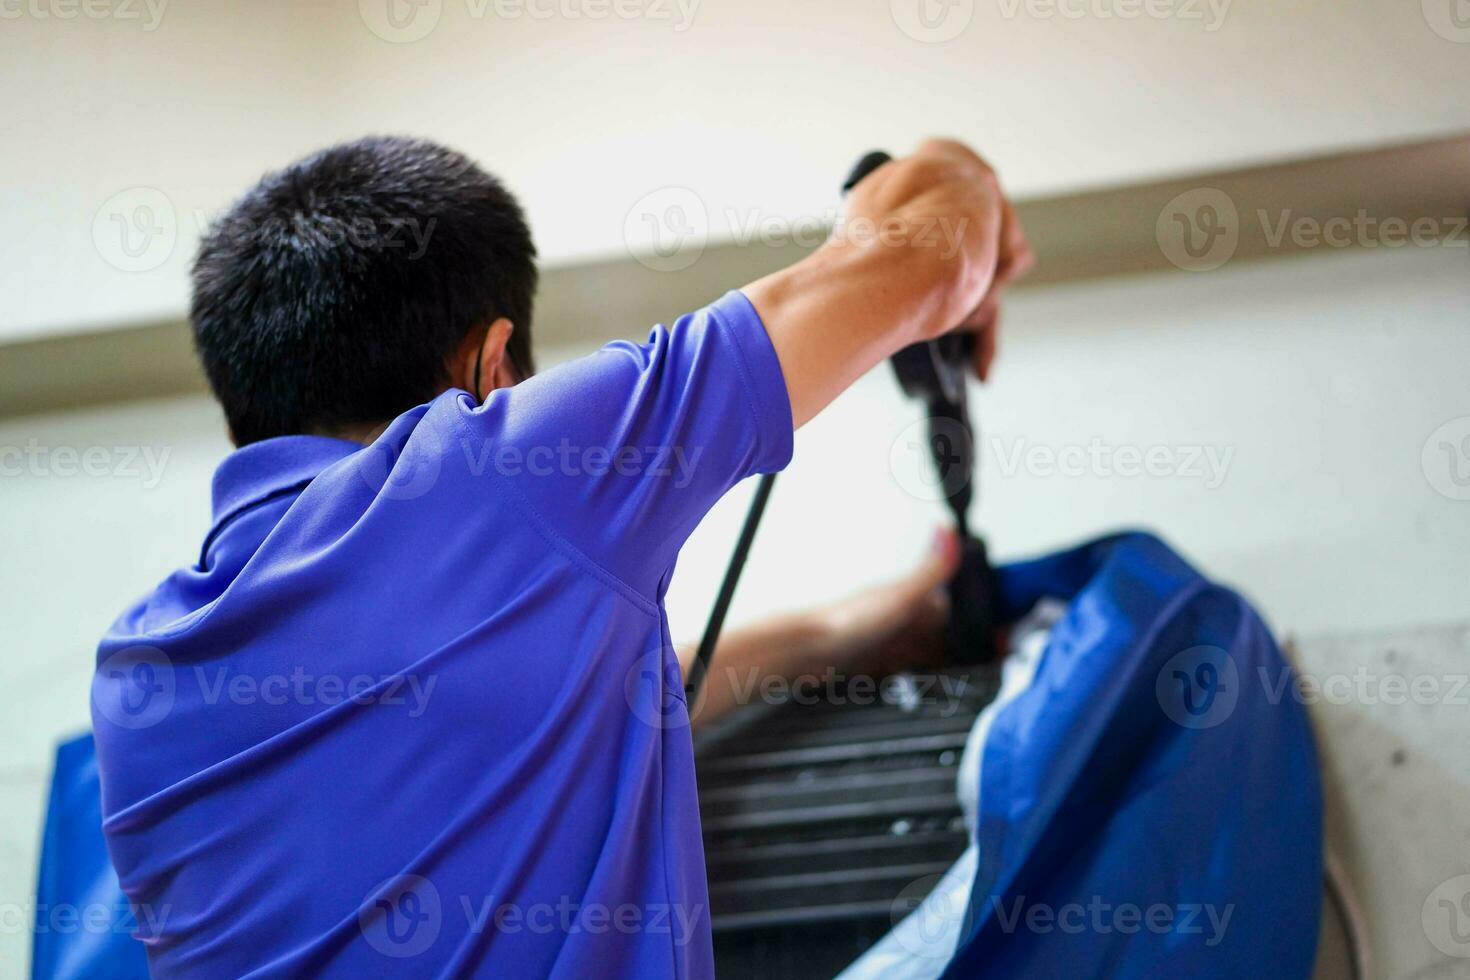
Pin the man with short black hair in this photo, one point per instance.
(415, 708)
(348, 287)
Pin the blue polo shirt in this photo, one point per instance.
(415, 710)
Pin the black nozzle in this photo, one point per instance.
(871, 161)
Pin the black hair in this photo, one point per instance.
(336, 290)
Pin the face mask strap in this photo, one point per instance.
(478, 361)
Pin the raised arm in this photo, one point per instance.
(927, 242)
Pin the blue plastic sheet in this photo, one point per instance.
(83, 926)
(1151, 805)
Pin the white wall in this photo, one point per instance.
(1324, 376)
(757, 106)
(761, 106)
(1319, 378)
(192, 101)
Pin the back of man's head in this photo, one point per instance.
(334, 293)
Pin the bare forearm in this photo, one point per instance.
(840, 312)
(781, 647)
(896, 626)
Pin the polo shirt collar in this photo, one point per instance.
(270, 468)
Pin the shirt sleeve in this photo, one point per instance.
(624, 451)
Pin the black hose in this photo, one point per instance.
(700, 667)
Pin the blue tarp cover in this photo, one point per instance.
(1151, 805)
(83, 926)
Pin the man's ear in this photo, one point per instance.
(486, 366)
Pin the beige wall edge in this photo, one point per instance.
(1107, 232)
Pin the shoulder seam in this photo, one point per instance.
(752, 402)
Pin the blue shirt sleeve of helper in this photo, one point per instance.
(621, 453)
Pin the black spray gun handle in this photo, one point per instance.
(934, 371)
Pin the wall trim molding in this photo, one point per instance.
(1094, 234)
